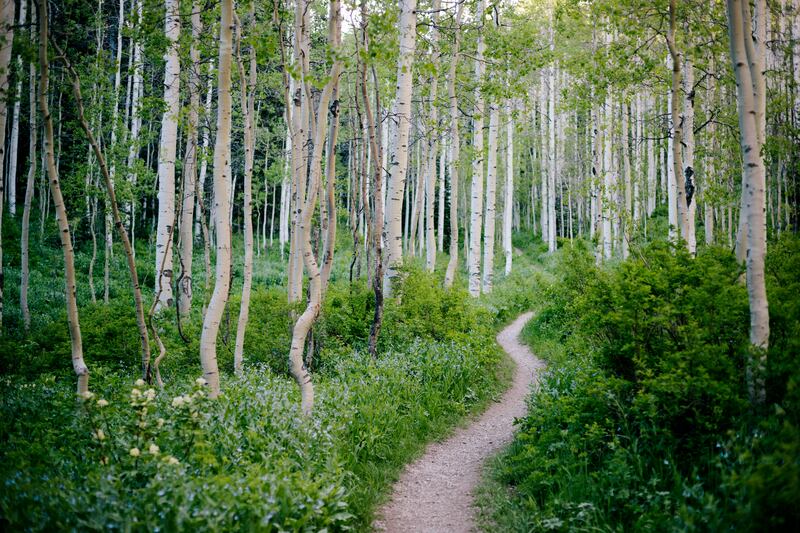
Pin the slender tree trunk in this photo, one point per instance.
(248, 84)
(78, 365)
(455, 141)
(167, 154)
(306, 320)
(491, 196)
(13, 148)
(222, 188)
(508, 203)
(6, 42)
(26, 210)
(749, 82)
(104, 169)
(433, 145)
(399, 159)
(188, 198)
(476, 198)
(689, 174)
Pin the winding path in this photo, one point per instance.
(435, 493)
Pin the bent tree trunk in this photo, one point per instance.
(112, 198)
(222, 193)
(78, 364)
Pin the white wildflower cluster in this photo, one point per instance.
(141, 398)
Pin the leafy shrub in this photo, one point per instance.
(642, 420)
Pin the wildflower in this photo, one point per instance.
(201, 381)
(153, 449)
(102, 402)
(135, 393)
(177, 401)
(170, 460)
(87, 395)
(135, 452)
(150, 394)
(161, 422)
(140, 382)
(100, 435)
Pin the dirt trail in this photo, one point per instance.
(435, 493)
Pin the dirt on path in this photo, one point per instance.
(435, 493)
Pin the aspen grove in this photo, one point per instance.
(271, 245)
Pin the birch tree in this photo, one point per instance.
(476, 192)
(508, 203)
(455, 146)
(188, 195)
(399, 157)
(749, 83)
(248, 97)
(6, 42)
(78, 364)
(222, 191)
(166, 156)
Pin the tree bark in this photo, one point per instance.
(508, 203)
(167, 154)
(399, 159)
(455, 145)
(78, 364)
(222, 188)
(749, 81)
(491, 197)
(248, 85)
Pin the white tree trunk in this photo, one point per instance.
(248, 98)
(491, 197)
(222, 188)
(13, 146)
(508, 203)
(749, 81)
(26, 210)
(441, 178)
(689, 174)
(433, 145)
(78, 365)
(6, 42)
(672, 189)
(455, 145)
(399, 159)
(476, 193)
(189, 195)
(166, 157)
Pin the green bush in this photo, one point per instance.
(642, 420)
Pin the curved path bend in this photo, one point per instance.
(435, 492)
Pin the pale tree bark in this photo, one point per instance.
(137, 93)
(109, 237)
(443, 150)
(306, 320)
(710, 169)
(377, 178)
(26, 209)
(625, 216)
(544, 155)
(13, 146)
(689, 174)
(166, 156)
(607, 187)
(677, 126)
(222, 188)
(330, 188)
(491, 197)
(455, 145)
(399, 159)
(749, 81)
(6, 42)
(78, 364)
(433, 145)
(112, 198)
(508, 204)
(248, 85)
(188, 196)
(476, 192)
(672, 188)
(552, 156)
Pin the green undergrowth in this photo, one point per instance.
(139, 459)
(642, 420)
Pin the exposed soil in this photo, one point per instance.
(435, 493)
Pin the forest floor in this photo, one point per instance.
(435, 493)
